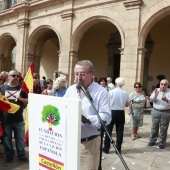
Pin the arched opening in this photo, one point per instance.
(7, 52)
(43, 49)
(99, 41)
(157, 54)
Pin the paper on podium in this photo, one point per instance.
(85, 120)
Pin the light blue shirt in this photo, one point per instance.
(118, 98)
(158, 103)
(60, 92)
(111, 86)
(101, 102)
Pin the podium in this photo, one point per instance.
(54, 132)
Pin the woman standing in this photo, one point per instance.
(103, 82)
(60, 86)
(136, 107)
(49, 90)
(36, 83)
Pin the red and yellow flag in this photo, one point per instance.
(27, 86)
(7, 106)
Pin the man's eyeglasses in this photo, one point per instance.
(14, 76)
(35, 77)
(163, 84)
(137, 87)
(80, 74)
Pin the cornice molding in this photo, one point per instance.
(133, 4)
(141, 50)
(67, 16)
(121, 51)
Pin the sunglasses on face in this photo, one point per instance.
(163, 84)
(14, 76)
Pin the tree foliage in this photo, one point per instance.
(50, 114)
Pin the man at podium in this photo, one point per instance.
(90, 136)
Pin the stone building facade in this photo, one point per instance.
(128, 38)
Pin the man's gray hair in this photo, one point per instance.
(87, 63)
(12, 71)
(120, 81)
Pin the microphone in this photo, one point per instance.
(87, 94)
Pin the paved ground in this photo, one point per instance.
(137, 155)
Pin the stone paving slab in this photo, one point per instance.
(137, 155)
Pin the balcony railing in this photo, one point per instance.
(6, 4)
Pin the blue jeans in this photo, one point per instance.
(18, 129)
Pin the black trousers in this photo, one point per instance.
(118, 118)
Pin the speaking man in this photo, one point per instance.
(90, 136)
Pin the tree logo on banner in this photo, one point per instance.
(51, 115)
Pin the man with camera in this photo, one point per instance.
(58, 74)
(90, 136)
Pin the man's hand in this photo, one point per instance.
(18, 97)
(24, 100)
(164, 99)
(156, 93)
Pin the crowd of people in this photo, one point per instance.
(109, 100)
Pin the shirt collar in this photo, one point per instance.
(90, 86)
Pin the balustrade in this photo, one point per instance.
(7, 4)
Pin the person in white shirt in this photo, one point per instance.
(118, 100)
(110, 85)
(90, 136)
(160, 114)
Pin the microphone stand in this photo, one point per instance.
(101, 144)
(87, 94)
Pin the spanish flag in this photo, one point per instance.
(7, 106)
(27, 86)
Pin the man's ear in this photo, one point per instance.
(92, 73)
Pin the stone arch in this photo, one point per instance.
(7, 44)
(85, 25)
(36, 37)
(150, 20)
(35, 42)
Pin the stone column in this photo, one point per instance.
(74, 58)
(22, 23)
(65, 59)
(130, 68)
(149, 47)
(114, 55)
(28, 59)
(32, 58)
(110, 69)
(37, 64)
(140, 64)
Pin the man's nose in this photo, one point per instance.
(78, 78)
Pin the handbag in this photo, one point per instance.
(148, 105)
